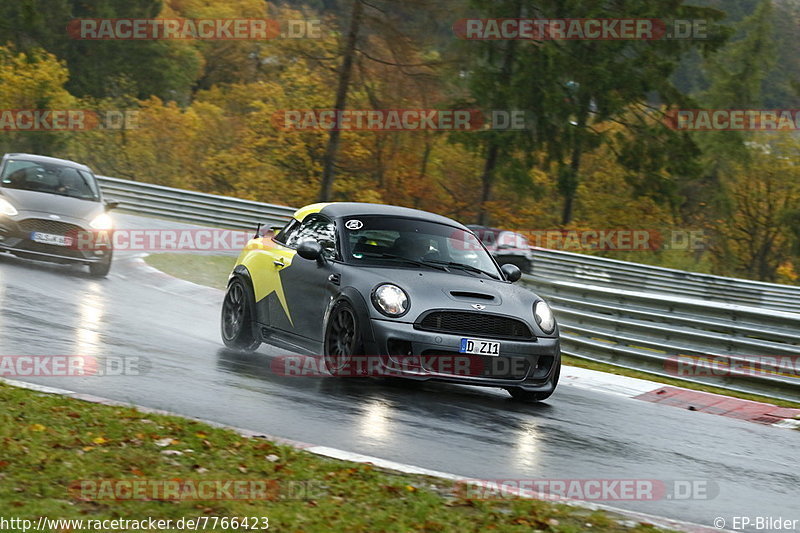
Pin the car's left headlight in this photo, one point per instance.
(390, 300)
(6, 208)
(544, 317)
(102, 222)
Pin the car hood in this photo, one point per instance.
(52, 203)
(430, 289)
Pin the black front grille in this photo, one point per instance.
(479, 324)
(53, 227)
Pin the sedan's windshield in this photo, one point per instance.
(381, 240)
(50, 178)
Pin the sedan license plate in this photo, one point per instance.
(479, 347)
(49, 238)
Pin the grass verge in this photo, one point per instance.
(209, 270)
(52, 443)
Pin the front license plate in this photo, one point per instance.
(479, 347)
(49, 238)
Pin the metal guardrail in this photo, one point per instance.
(626, 314)
(726, 345)
(189, 206)
(581, 268)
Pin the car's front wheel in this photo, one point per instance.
(342, 338)
(101, 268)
(237, 318)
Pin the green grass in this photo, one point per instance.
(51, 443)
(208, 270)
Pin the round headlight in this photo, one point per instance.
(6, 208)
(102, 222)
(544, 317)
(390, 300)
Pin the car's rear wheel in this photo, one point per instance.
(101, 268)
(532, 397)
(237, 317)
(342, 338)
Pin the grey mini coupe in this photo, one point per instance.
(415, 293)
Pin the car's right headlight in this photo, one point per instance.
(544, 317)
(6, 208)
(390, 300)
(102, 222)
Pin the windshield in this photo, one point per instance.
(379, 240)
(50, 178)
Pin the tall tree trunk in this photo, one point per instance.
(329, 160)
(570, 178)
(487, 178)
(486, 181)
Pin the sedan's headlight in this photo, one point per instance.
(102, 222)
(6, 208)
(544, 317)
(390, 300)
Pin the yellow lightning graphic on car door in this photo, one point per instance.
(265, 261)
(265, 258)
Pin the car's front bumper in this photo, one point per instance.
(15, 238)
(412, 353)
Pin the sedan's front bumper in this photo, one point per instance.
(531, 365)
(15, 238)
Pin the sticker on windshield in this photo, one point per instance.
(353, 224)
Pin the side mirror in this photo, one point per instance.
(111, 204)
(511, 272)
(309, 249)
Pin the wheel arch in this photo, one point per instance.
(359, 304)
(241, 272)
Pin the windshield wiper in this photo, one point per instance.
(463, 266)
(406, 259)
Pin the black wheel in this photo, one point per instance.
(532, 397)
(100, 269)
(342, 338)
(237, 317)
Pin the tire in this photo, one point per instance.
(236, 321)
(521, 395)
(342, 338)
(100, 269)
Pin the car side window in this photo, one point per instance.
(317, 228)
(288, 230)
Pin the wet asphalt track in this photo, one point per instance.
(474, 432)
